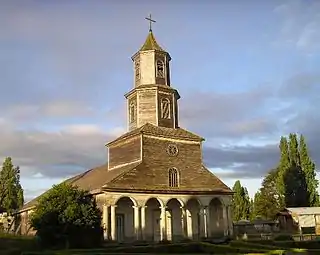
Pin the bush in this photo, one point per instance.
(284, 237)
(184, 248)
(249, 245)
(67, 217)
(16, 242)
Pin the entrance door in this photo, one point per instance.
(156, 225)
(120, 227)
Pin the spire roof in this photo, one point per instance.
(150, 43)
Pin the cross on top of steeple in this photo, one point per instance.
(150, 22)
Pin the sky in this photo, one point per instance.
(247, 71)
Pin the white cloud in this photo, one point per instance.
(58, 153)
(300, 26)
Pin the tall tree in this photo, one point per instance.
(296, 193)
(266, 200)
(309, 169)
(294, 150)
(240, 202)
(11, 192)
(284, 164)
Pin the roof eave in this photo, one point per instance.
(176, 191)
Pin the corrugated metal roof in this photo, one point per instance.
(304, 210)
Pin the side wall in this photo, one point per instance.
(125, 152)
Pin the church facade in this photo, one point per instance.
(154, 185)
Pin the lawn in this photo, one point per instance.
(14, 245)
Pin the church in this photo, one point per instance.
(154, 185)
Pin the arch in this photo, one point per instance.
(195, 199)
(156, 198)
(132, 112)
(178, 199)
(217, 199)
(165, 108)
(123, 197)
(160, 69)
(137, 69)
(152, 226)
(174, 225)
(217, 224)
(173, 177)
(193, 208)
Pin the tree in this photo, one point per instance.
(309, 169)
(240, 202)
(266, 200)
(296, 182)
(296, 191)
(67, 215)
(294, 150)
(252, 211)
(284, 164)
(11, 192)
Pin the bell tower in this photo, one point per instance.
(152, 100)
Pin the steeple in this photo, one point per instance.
(151, 43)
(152, 100)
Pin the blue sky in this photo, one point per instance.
(247, 72)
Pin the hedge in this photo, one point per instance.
(251, 245)
(25, 243)
(169, 248)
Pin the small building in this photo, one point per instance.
(255, 227)
(302, 220)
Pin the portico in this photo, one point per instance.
(156, 218)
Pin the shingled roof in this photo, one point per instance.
(150, 129)
(90, 180)
(150, 43)
(133, 180)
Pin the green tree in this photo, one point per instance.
(252, 212)
(309, 169)
(294, 150)
(69, 216)
(11, 192)
(266, 200)
(284, 164)
(296, 192)
(240, 202)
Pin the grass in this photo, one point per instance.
(14, 245)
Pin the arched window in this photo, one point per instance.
(160, 69)
(165, 108)
(173, 177)
(137, 69)
(132, 112)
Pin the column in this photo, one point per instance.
(163, 223)
(143, 222)
(225, 220)
(183, 222)
(207, 209)
(136, 220)
(202, 223)
(230, 220)
(205, 222)
(105, 222)
(113, 222)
